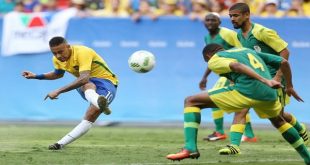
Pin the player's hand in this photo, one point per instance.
(291, 92)
(203, 84)
(52, 95)
(274, 84)
(28, 75)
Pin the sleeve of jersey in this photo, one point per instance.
(271, 59)
(220, 65)
(230, 37)
(85, 59)
(271, 38)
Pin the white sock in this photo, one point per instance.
(92, 97)
(77, 132)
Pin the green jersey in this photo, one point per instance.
(244, 84)
(226, 37)
(262, 39)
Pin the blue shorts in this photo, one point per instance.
(103, 87)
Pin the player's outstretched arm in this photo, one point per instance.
(286, 70)
(45, 76)
(80, 81)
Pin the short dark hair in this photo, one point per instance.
(55, 41)
(242, 7)
(211, 48)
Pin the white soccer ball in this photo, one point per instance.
(141, 61)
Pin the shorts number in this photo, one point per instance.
(255, 63)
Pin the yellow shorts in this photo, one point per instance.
(284, 100)
(233, 101)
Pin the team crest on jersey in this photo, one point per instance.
(76, 67)
(257, 48)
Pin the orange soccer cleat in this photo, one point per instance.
(215, 136)
(183, 155)
(247, 139)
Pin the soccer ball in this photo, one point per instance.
(141, 61)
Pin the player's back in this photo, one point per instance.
(246, 85)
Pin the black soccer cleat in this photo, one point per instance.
(103, 105)
(55, 146)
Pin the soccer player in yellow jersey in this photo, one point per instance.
(228, 39)
(260, 39)
(94, 81)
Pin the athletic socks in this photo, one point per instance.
(236, 132)
(77, 132)
(217, 115)
(192, 120)
(92, 97)
(248, 127)
(291, 136)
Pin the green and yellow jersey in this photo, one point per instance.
(226, 37)
(262, 39)
(85, 59)
(244, 84)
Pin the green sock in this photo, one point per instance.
(248, 127)
(236, 132)
(217, 115)
(291, 135)
(296, 124)
(191, 123)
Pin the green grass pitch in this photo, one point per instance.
(27, 144)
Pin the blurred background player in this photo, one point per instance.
(95, 82)
(228, 39)
(252, 87)
(260, 39)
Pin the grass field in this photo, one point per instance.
(27, 144)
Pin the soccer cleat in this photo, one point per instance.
(230, 150)
(103, 105)
(183, 154)
(304, 134)
(55, 146)
(247, 139)
(215, 136)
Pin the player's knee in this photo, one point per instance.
(188, 101)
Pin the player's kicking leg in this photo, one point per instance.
(99, 104)
(83, 127)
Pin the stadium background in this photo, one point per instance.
(151, 97)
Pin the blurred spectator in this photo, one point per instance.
(295, 9)
(31, 5)
(81, 7)
(144, 9)
(63, 4)
(168, 8)
(46, 6)
(199, 10)
(218, 7)
(115, 8)
(306, 7)
(95, 4)
(270, 9)
(256, 6)
(19, 7)
(6, 6)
